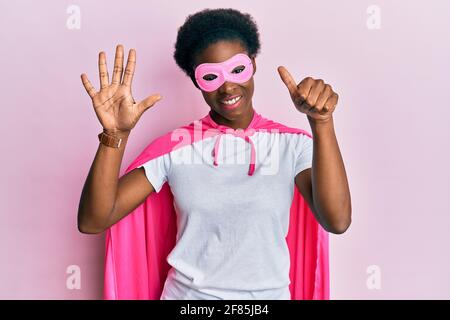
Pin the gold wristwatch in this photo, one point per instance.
(109, 140)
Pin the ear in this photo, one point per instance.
(192, 76)
(254, 65)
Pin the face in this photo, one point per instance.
(217, 53)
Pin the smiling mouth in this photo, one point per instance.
(234, 103)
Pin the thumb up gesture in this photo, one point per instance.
(311, 96)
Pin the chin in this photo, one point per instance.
(232, 114)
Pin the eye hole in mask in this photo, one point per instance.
(211, 76)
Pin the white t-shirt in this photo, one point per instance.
(231, 227)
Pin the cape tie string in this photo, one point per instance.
(244, 134)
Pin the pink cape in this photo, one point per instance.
(138, 244)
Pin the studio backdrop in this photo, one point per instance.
(387, 60)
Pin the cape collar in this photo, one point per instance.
(240, 133)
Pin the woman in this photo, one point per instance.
(232, 219)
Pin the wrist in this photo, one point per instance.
(318, 126)
(117, 133)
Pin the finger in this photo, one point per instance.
(87, 85)
(305, 107)
(118, 65)
(323, 97)
(332, 102)
(309, 108)
(304, 88)
(129, 70)
(288, 80)
(316, 89)
(103, 70)
(149, 102)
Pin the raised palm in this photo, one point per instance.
(114, 104)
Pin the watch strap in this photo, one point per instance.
(109, 140)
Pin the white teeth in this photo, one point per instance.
(232, 101)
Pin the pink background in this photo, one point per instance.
(391, 123)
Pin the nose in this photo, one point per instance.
(228, 88)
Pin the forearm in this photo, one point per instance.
(331, 194)
(99, 191)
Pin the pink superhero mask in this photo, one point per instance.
(210, 76)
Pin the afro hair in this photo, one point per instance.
(210, 26)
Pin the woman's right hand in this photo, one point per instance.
(114, 104)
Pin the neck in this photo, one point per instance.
(240, 123)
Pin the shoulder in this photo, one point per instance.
(170, 141)
(163, 145)
(266, 124)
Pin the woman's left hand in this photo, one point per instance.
(311, 96)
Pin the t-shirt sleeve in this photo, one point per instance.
(157, 170)
(304, 149)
